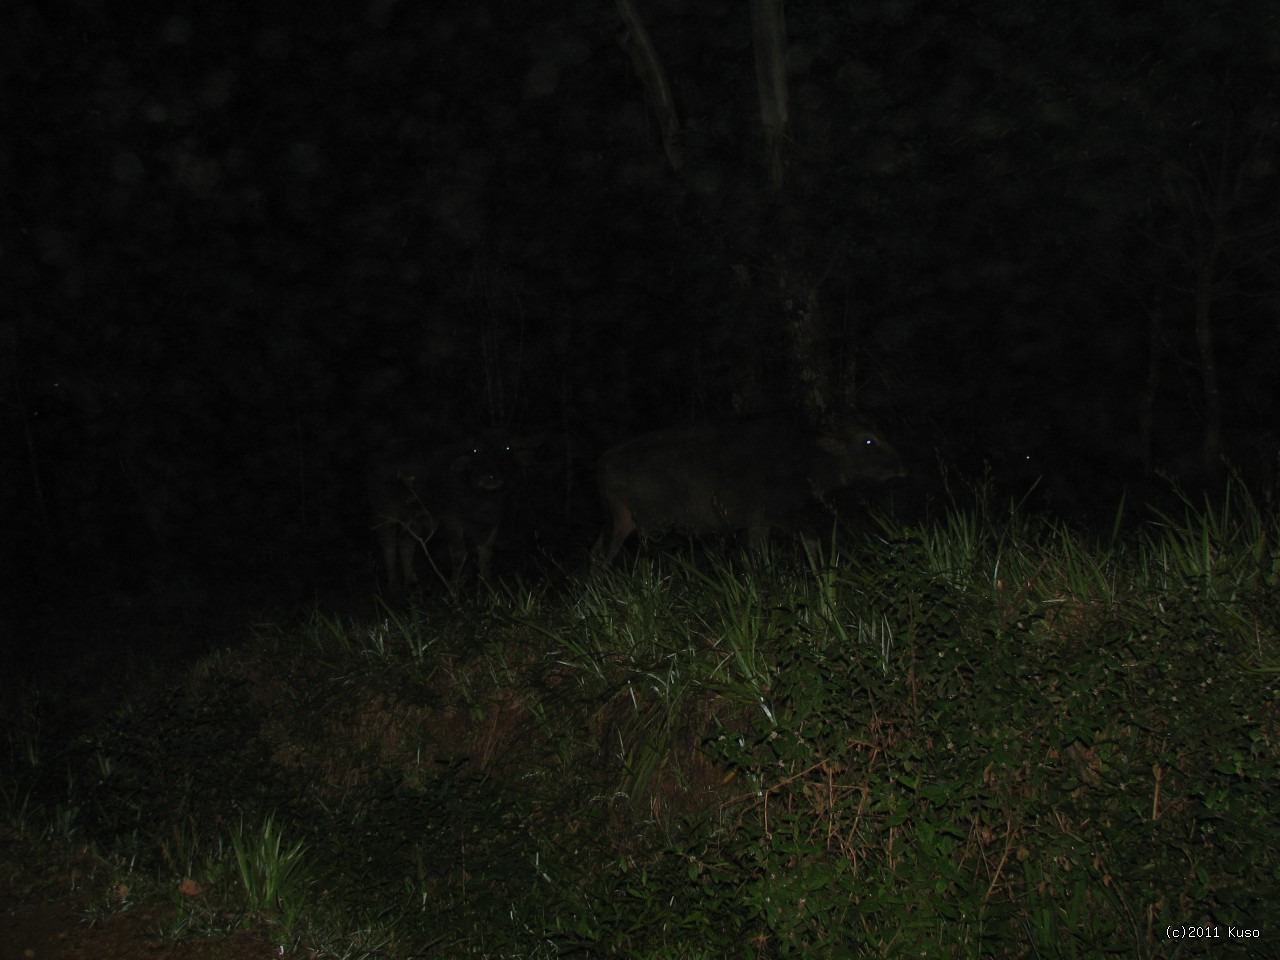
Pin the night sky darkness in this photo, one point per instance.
(243, 247)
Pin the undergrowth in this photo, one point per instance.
(979, 736)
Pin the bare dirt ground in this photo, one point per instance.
(51, 909)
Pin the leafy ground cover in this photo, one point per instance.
(977, 736)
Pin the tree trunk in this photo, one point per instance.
(769, 37)
(1147, 405)
(810, 364)
(23, 414)
(1220, 197)
(635, 40)
(1211, 450)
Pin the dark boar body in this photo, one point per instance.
(455, 490)
(754, 475)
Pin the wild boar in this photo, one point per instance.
(459, 488)
(754, 475)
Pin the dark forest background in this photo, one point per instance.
(242, 249)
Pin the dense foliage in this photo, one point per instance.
(979, 736)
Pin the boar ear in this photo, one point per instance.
(832, 445)
(459, 463)
(529, 442)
